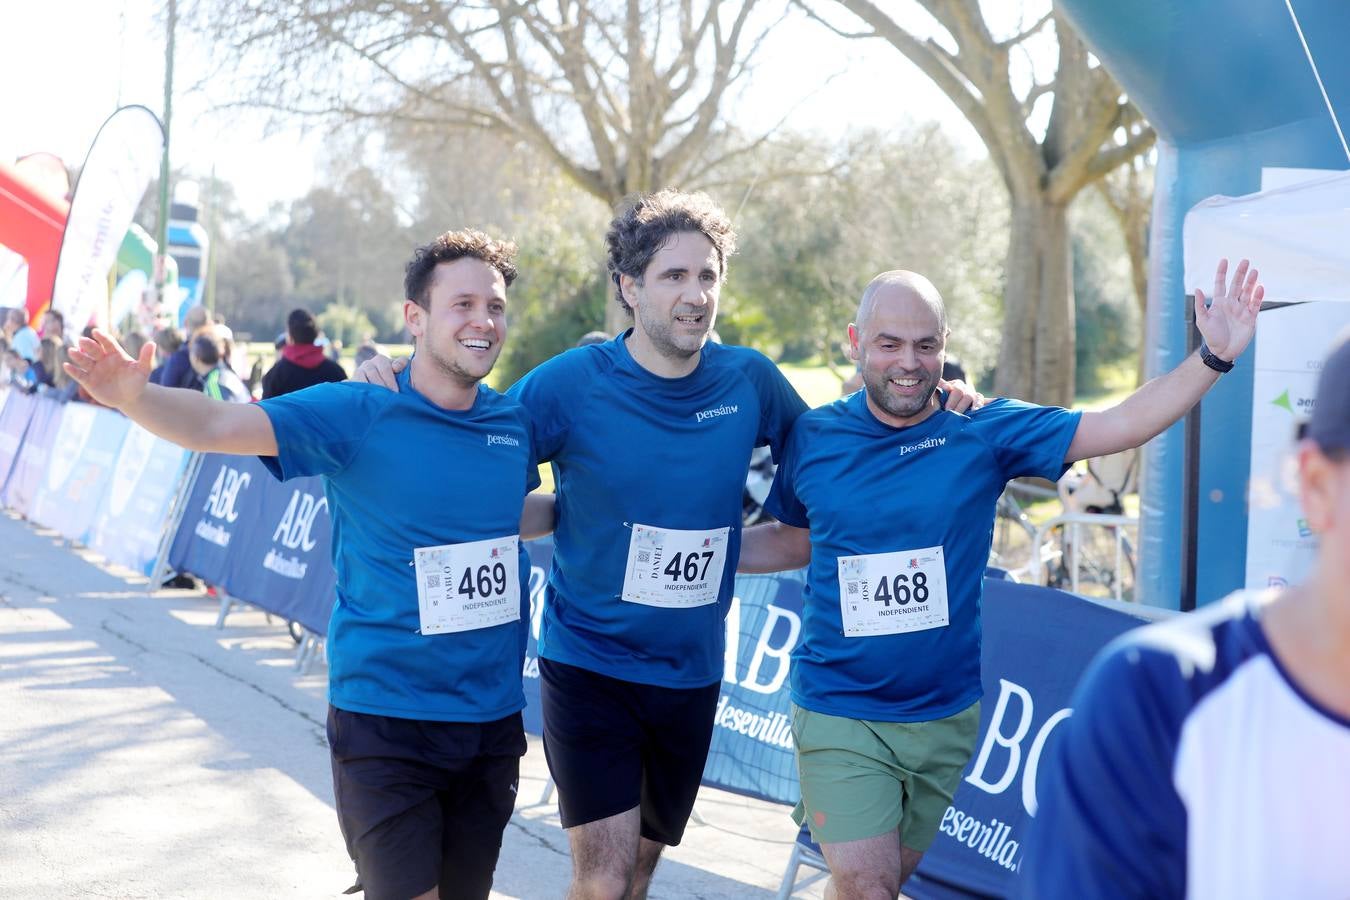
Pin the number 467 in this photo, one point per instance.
(898, 589)
(689, 570)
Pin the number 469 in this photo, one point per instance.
(898, 589)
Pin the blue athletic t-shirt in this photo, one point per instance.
(864, 487)
(632, 448)
(402, 473)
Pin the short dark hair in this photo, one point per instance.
(301, 327)
(205, 347)
(453, 245)
(646, 222)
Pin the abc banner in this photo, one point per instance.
(1290, 346)
(1037, 642)
(263, 541)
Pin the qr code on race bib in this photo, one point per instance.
(433, 581)
(853, 587)
(644, 556)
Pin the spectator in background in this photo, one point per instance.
(177, 370)
(22, 338)
(167, 342)
(590, 337)
(54, 325)
(302, 363)
(21, 373)
(219, 382)
(367, 350)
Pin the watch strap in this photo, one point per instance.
(1208, 358)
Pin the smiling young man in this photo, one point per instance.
(891, 500)
(427, 636)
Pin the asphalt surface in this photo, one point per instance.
(146, 754)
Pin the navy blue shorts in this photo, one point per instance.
(613, 745)
(423, 804)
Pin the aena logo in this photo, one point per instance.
(225, 493)
(295, 525)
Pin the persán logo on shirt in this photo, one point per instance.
(723, 410)
(925, 444)
(504, 440)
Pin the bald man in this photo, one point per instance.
(891, 500)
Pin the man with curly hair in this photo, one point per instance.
(427, 636)
(650, 436)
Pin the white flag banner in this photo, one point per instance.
(123, 158)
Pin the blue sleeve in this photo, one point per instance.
(1026, 439)
(779, 405)
(782, 502)
(546, 392)
(532, 479)
(320, 428)
(1110, 823)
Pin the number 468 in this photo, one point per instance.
(898, 589)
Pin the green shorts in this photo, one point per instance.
(861, 779)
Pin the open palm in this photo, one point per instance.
(107, 372)
(1228, 322)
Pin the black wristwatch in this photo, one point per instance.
(1209, 359)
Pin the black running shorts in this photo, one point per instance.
(613, 745)
(424, 803)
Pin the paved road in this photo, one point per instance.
(145, 754)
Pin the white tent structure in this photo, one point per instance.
(1299, 237)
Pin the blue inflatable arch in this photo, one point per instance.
(1228, 87)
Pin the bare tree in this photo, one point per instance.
(1092, 128)
(1128, 192)
(622, 97)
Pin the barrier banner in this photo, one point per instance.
(1037, 642)
(283, 561)
(224, 502)
(25, 478)
(136, 506)
(79, 468)
(752, 749)
(541, 554)
(14, 418)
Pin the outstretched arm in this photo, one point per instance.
(773, 547)
(188, 418)
(1227, 326)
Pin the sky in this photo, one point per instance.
(68, 64)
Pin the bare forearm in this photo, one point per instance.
(774, 547)
(191, 419)
(537, 517)
(1144, 414)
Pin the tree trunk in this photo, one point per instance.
(1036, 361)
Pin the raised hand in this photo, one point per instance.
(1229, 321)
(105, 370)
(381, 370)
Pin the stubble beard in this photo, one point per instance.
(882, 398)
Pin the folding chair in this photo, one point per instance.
(805, 852)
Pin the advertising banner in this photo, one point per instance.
(79, 469)
(223, 504)
(1037, 643)
(136, 505)
(1290, 346)
(25, 478)
(124, 157)
(283, 561)
(14, 418)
